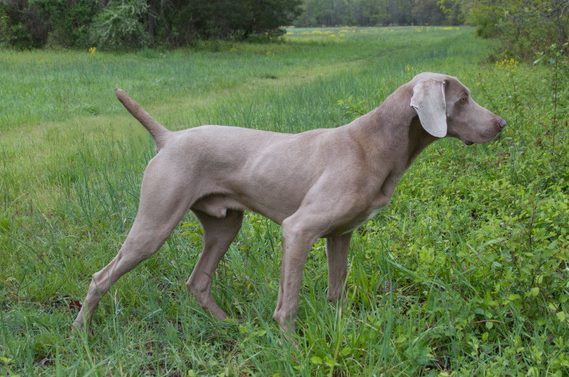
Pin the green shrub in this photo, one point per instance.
(69, 20)
(22, 25)
(120, 25)
(525, 28)
(116, 24)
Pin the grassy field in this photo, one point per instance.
(465, 273)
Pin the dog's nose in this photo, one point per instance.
(500, 122)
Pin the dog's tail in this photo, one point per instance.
(158, 131)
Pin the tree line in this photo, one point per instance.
(524, 26)
(123, 24)
(378, 13)
(120, 24)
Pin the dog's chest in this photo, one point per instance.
(350, 223)
(372, 214)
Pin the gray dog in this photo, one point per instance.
(319, 183)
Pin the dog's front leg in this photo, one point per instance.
(337, 252)
(298, 240)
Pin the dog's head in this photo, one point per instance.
(445, 107)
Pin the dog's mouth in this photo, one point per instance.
(481, 138)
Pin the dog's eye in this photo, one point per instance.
(464, 99)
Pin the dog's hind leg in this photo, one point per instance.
(218, 235)
(163, 202)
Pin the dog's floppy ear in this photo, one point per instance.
(429, 102)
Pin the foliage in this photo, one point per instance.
(376, 12)
(464, 273)
(69, 20)
(453, 10)
(37, 23)
(137, 23)
(224, 18)
(119, 25)
(427, 12)
(525, 27)
(21, 25)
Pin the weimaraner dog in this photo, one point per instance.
(318, 183)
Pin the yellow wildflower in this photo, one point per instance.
(507, 63)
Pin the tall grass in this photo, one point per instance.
(464, 273)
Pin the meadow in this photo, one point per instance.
(464, 273)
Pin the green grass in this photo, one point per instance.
(464, 273)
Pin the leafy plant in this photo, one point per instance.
(525, 28)
(120, 25)
(69, 20)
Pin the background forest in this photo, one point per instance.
(525, 27)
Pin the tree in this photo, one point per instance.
(138, 23)
(376, 12)
(525, 27)
(427, 12)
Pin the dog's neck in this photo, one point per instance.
(393, 128)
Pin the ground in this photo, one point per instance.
(464, 273)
